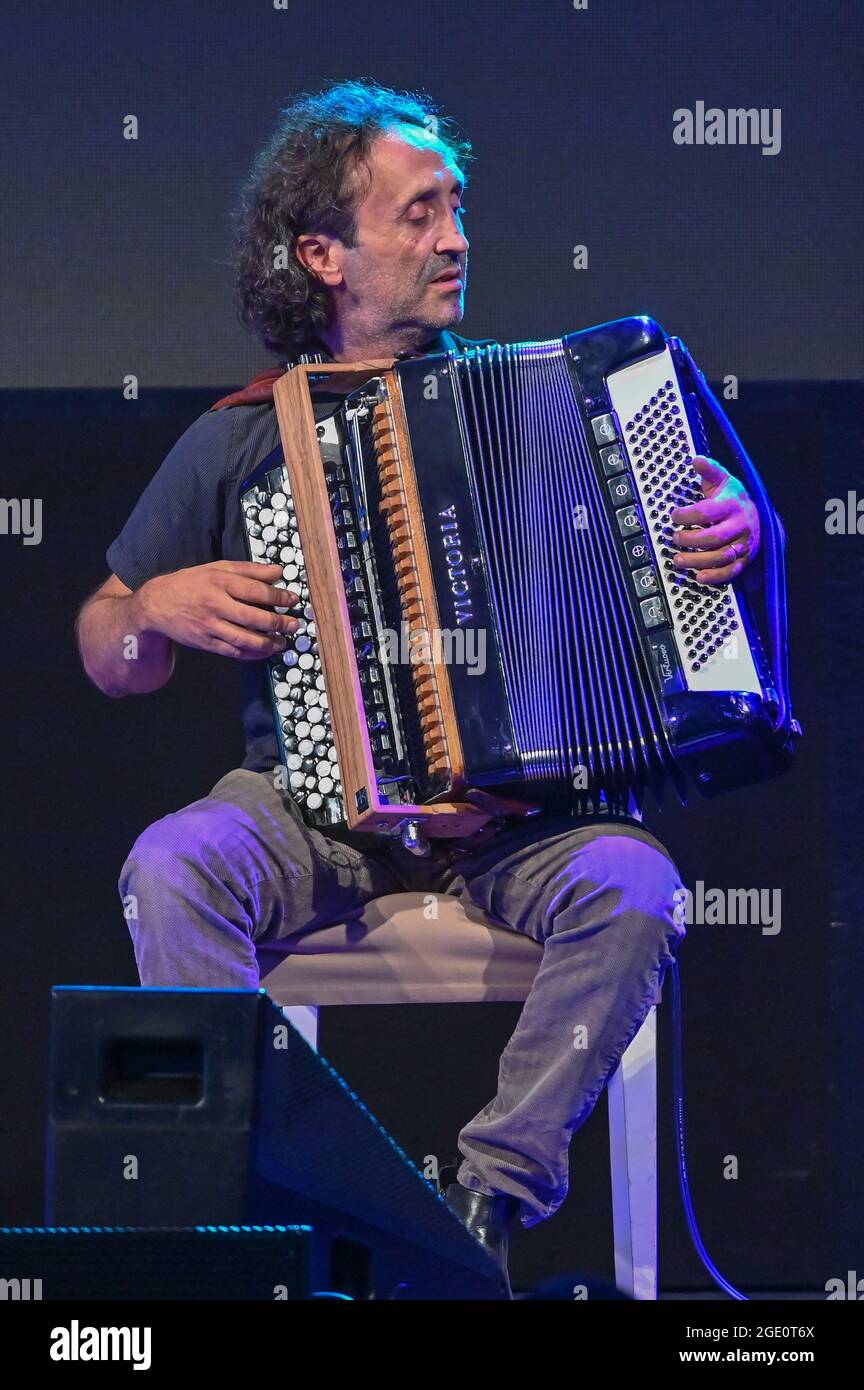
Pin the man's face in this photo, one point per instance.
(409, 231)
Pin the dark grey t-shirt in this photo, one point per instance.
(190, 514)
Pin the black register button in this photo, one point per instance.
(620, 490)
(653, 613)
(645, 581)
(628, 520)
(604, 429)
(612, 460)
(638, 552)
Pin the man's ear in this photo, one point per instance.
(320, 254)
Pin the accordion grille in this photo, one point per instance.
(584, 712)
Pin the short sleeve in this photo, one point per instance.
(178, 520)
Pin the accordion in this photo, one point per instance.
(482, 545)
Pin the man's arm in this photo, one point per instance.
(128, 639)
(120, 653)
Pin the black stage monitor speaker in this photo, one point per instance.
(188, 1107)
(107, 1263)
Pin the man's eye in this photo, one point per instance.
(429, 211)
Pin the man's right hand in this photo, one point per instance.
(225, 607)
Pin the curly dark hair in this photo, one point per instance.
(309, 178)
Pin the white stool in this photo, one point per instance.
(411, 948)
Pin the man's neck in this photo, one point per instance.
(369, 349)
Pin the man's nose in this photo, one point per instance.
(453, 240)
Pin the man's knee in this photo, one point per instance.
(168, 855)
(623, 877)
(635, 866)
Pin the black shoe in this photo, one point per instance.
(488, 1219)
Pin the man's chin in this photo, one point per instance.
(432, 319)
(451, 310)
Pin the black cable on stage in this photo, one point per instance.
(680, 1142)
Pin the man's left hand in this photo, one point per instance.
(729, 538)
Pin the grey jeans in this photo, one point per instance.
(203, 886)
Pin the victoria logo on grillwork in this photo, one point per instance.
(456, 571)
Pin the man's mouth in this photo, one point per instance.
(450, 275)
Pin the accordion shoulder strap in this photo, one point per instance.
(259, 390)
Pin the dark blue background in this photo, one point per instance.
(117, 248)
(116, 259)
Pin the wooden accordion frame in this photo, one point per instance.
(449, 815)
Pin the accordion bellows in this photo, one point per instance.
(483, 548)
